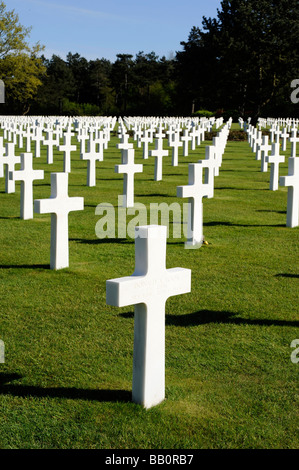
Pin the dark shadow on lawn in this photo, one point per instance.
(25, 391)
(10, 218)
(154, 195)
(203, 317)
(99, 241)
(240, 189)
(270, 211)
(230, 224)
(296, 276)
(25, 266)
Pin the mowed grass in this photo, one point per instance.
(230, 381)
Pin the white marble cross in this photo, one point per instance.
(37, 138)
(101, 141)
(186, 139)
(209, 165)
(148, 289)
(28, 134)
(10, 161)
(129, 168)
(91, 156)
(175, 144)
(264, 149)
(258, 143)
(275, 159)
(292, 181)
(145, 139)
(67, 148)
(26, 175)
(284, 136)
(159, 153)
(2, 157)
(137, 135)
(193, 135)
(49, 142)
(294, 139)
(59, 205)
(124, 145)
(195, 191)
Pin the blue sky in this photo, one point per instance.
(96, 28)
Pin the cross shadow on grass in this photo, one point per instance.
(99, 241)
(26, 391)
(24, 266)
(295, 276)
(230, 224)
(203, 317)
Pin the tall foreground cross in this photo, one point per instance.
(148, 288)
(292, 181)
(59, 205)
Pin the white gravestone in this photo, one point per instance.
(145, 139)
(26, 175)
(284, 136)
(209, 165)
(91, 156)
(10, 161)
(195, 191)
(275, 159)
(128, 168)
(175, 144)
(124, 145)
(49, 142)
(159, 153)
(59, 205)
(101, 141)
(148, 289)
(38, 138)
(258, 143)
(67, 148)
(294, 139)
(292, 181)
(265, 148)
(185, 139)
(2, 157)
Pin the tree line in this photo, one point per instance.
(240, 63)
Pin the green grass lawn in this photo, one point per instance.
(230, 381)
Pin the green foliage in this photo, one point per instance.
(244, 59)
(203, 113)
(70, 108)
(20, 68)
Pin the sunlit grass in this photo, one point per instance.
(230, 383)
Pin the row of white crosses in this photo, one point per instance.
(289, 133)
(128, 167)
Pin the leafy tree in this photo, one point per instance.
(20, 67)
(58, 84)
(246, 58)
